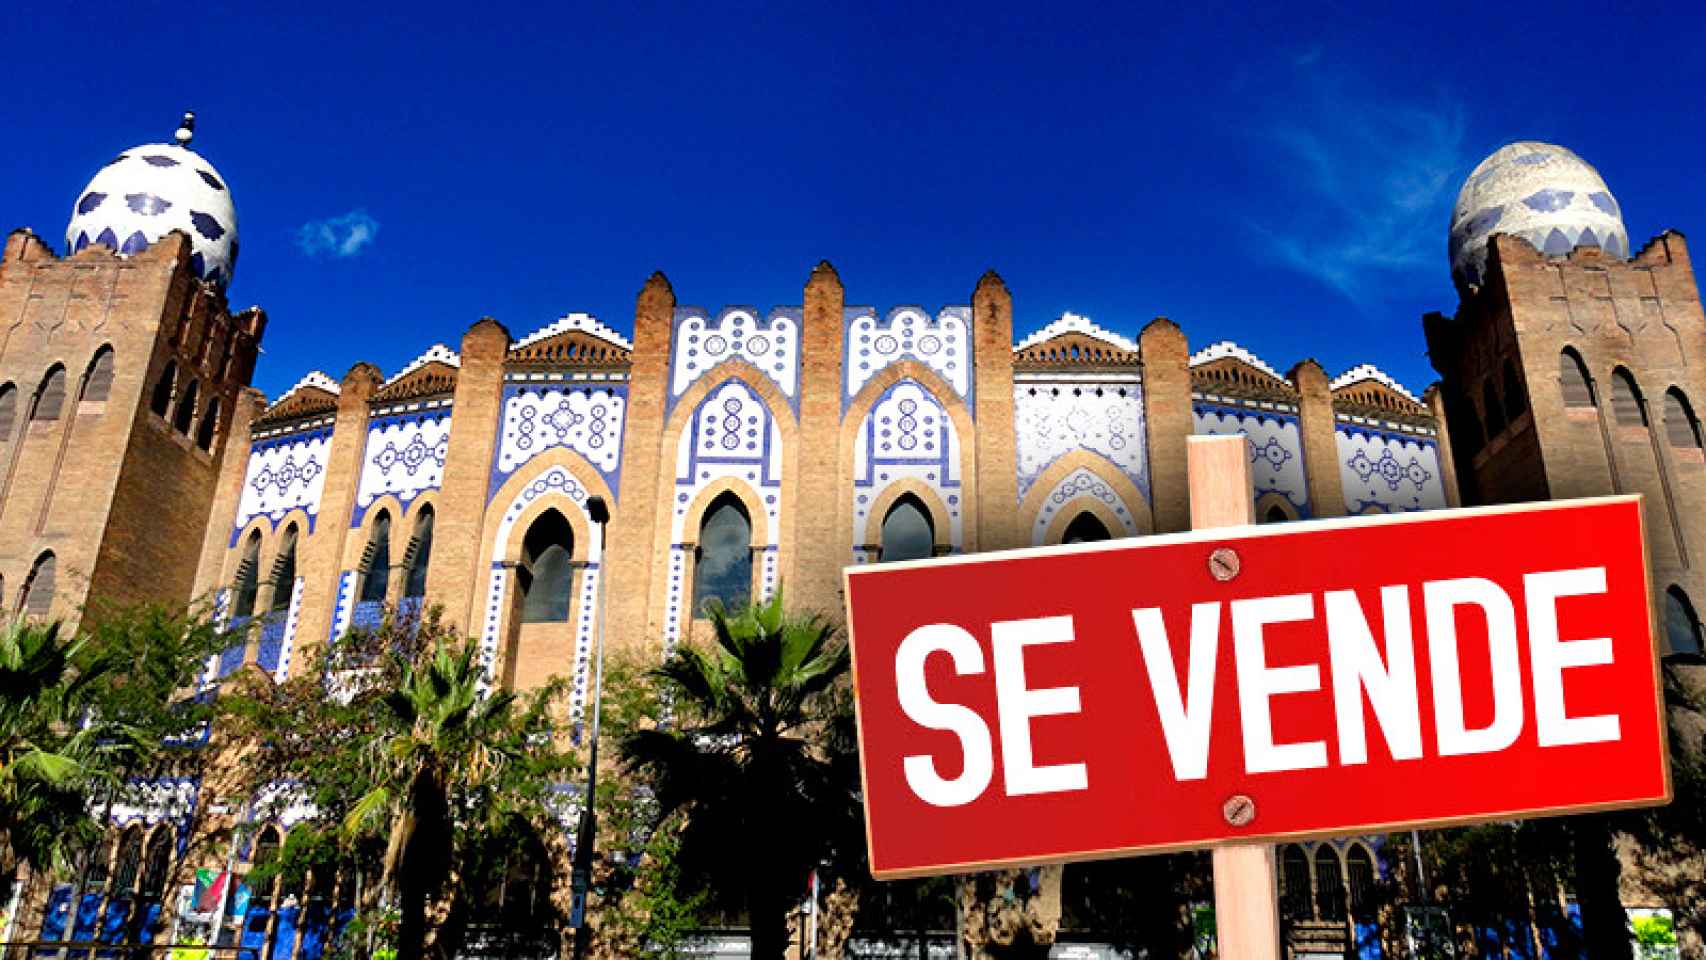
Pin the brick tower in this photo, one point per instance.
(121, 367)
(1571, 369)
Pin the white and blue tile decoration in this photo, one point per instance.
(584, 417)
(941, 343)
(907, 434)
(404, 458)
(732, 434)
(149, 191)
(1068, 493)
(1387, 469)
(1540, 192)
(1275, 444)
(769, 342)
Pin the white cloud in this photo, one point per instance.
(1364, 180)
(339, 237)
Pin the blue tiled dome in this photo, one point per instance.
(147, 192)
(1540, 192)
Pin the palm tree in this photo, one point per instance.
(439, 761)
(49, 758)
(744, 758)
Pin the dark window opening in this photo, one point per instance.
(98, 382)
(1573, 380)
(50, 397)
(284, 572)
(1626, 400)
(248, 577)
(548, 555)
(1086, 528)
(1682, 626)
(1516, 396)
(722, 563)
(186, 409)
(209, 425)
(420, 554)
(38, 589)
(376, 564)
(161, 401)
(1329, 884)
(1681, 429)
(908, 533)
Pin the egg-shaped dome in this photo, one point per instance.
(1542, 193)
(151, 190)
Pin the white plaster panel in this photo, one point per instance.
(587, 420)
(1073, 489)
(404, 457)
(770, 343)
(1052, 419)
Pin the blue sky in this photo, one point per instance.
(1282, 177)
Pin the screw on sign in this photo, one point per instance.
(1361, 674)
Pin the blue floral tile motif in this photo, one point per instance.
(768, 342)
(907, 435)
(585, 419)
(1275, 446)
(90, 201)
(1072, 490)
(283, 474)
(1271, 453)
(1052, 420)
(1388, 471)
(405, 457)
(942, 343)
(287, 474)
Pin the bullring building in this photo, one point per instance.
(739, 448)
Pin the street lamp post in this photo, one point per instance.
(584, 837)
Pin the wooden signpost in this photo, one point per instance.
(1237, 685)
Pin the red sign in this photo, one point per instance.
(1331, 677)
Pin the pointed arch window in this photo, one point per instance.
(248, 579)
(284, 571)
(156, 863)
(1086, 528)
(8, 410)
(722, 563)
(908, 533)
(1573, 380)
(1516, 395)
(161, 400)
(1330, 893)
(1681, 428)
(419, 554)
(1682, 625)
(1626, 400)
(98, 381)
(1360, 866)
(1275, 514)
(548, 575)
(50, 396)
(376, 560)
(185, 416)
(38, 589)
(1492, 410)
(1466, 433)
(1295, 892)
(209, 425)
(128, 867)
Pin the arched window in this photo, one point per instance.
(1360, 866)
(248, 578)
(1466, 433)
(1492, 410)
(267, 847)
(128, 867)
(157, 861)
(376, 560)
(185, 416)
(521, 898)
(1573, 380)
(98, 381)
(209, 425)
(420, 553)
(1681, 429)
(1682, 626)
(161, 401)
(1086, 528)
(722, 564)
(8, 411)
(1626, 400)
(548, 577)
(38, 589)
(1275, 514)
(100, 864)
(908, 533)
(1295, 893)
(284, 571)
(1330, 894)
(1516, 396)
(50, 396)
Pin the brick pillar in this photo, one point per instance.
(1320, 439)
(227, 493)
(997, 465)
(456, 571)
(632, 552)
(1165, 360)
(823, 525)
(319, 557)
(1435, 401)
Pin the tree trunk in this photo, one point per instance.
(1605, 927)
(411, 925)
(767, 917)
